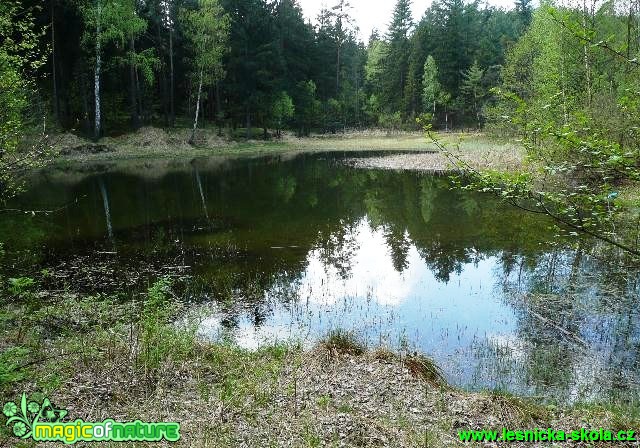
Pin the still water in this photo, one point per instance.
(290, 247)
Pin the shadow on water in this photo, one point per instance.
(291, 248)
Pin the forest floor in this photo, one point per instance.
(416, 151)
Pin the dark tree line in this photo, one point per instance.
(116, 65)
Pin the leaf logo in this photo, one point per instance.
(23, 417)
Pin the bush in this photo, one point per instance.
(391, 122)
(161, 340)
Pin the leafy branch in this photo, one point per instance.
(578, 210)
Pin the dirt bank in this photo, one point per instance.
(154, 143)
(291, 398)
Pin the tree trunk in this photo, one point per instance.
(86, 121)
(338, 73)
(96, 80)
(56, 100)
(195, 122)
(357, 76)
(142, 112)
(133, 102)
(587, 67)
(219, 114)
(163, 78)
(172, 114)
(248, 130)
(565, 113)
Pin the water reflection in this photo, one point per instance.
(365, 291)
(289, 249)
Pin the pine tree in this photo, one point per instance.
(397, 61)
(524, 11)
(342, 24)
(473, 90)
(412, 101)
(452, 43)
(254, 74)
(295, 41)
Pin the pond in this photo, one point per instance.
(291, 247)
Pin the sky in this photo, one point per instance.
(370, 14)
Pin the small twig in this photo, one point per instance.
(41, 360)
(43, 212)
(601, 44)
(558, 327)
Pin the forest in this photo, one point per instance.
(113, 66)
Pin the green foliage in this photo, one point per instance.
(119, 22)
(13, 95)
(525, 12)
(20, 57)
(396, 66)
(12, 370)
(161, 341)
(307, 107)
(146, 62)
(283, 109)
(20, 286)
(473, 90)
(431, 88)
(578, 115)
(110, 21)
(391, 122)
(376, 55)
(207, 29)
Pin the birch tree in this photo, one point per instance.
(110, 21)
(207, 28)
(431, 88)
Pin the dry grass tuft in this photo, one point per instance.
(384, 354)
(424, 368)
(340, 342)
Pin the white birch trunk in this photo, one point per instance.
(195, 122)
